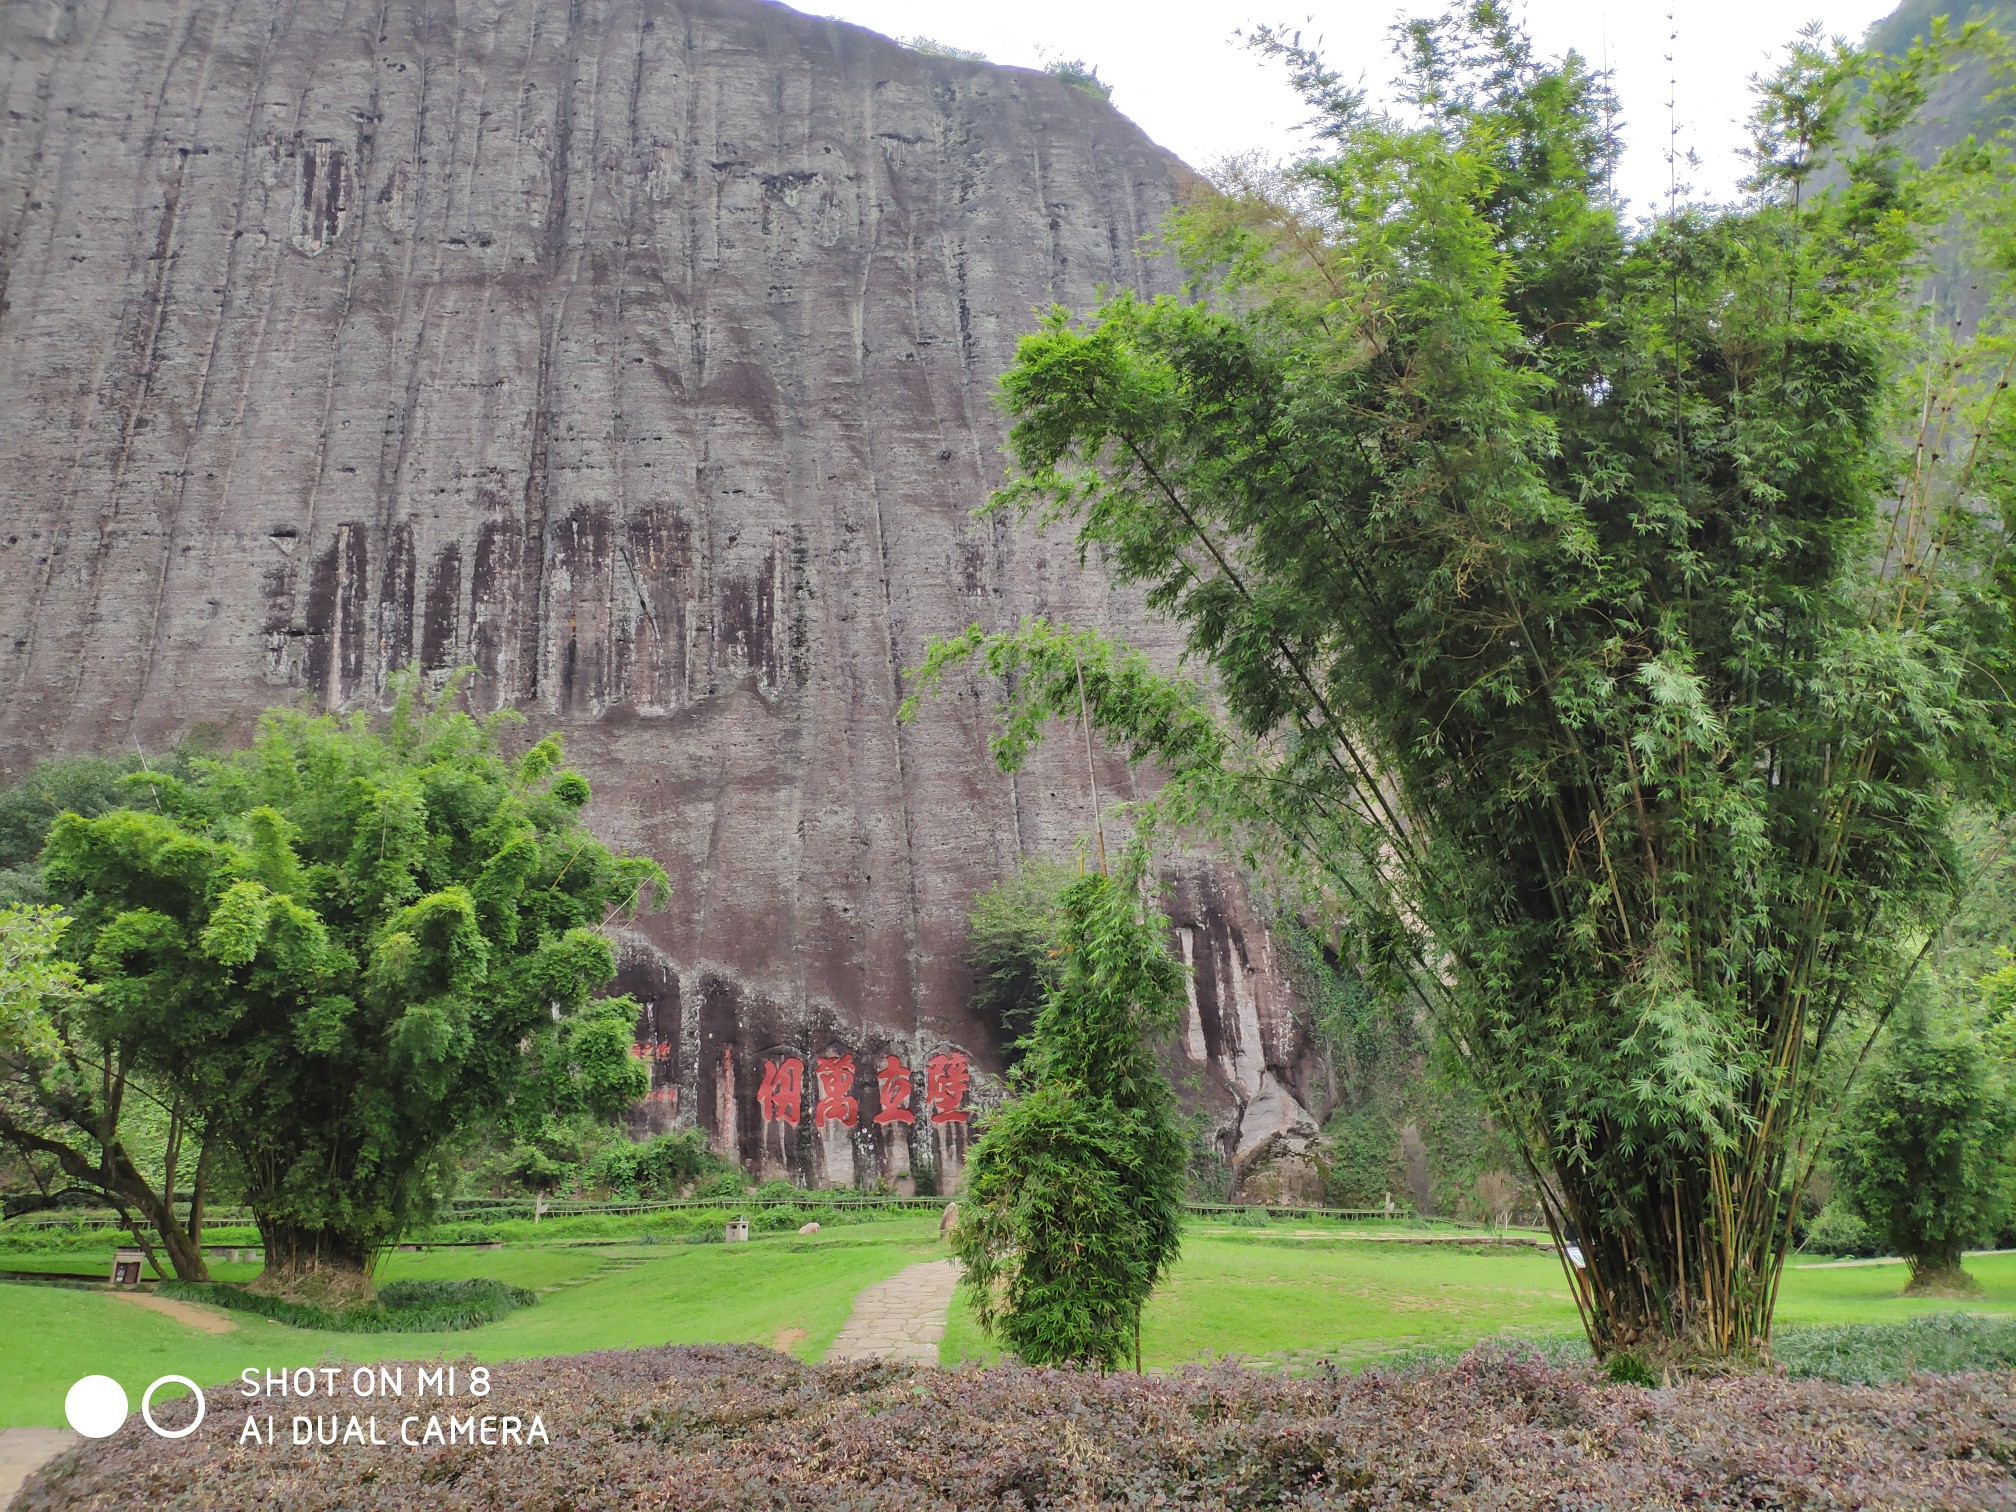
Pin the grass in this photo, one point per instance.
(1874, 1354)
(1293, 1297)
(433, 1306)
(1283, 1295)
(1296, 1295)
(785, 1292)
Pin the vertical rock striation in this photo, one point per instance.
(639, 353)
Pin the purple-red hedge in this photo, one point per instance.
(742, 1428)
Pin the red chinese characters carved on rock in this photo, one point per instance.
(836, 1080)
(892, 1088)
(783, 1090)
(947, 1079)
(945, 1083)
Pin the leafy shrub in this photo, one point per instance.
(937, 49)
(1074, 1192)
(1836, 1230)
(1208, 1174)
(665, 1224)
(1012, 932)
(560, 1154)
(740, 1427)
(1081, 76)
(1364, 1159)
(18, 1239)
(661, 1167)
(402, 1307)
(1627, 1369)
(1876, 1354)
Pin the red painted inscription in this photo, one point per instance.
(892, 1085)
(945, 1082)
(836, 1080)
(783, 1090)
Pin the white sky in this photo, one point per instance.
(1177, 70)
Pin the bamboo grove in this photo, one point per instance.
(1605, 619)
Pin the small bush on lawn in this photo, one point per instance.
(714, 1429)
(1837, 1231)
(402, 1307)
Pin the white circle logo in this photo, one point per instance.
(147, 1402)
(96, 1406)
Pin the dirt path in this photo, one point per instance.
(1890, 1260)
(204, 1319)
(902, 1318)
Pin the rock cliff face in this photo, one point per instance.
(639, 353)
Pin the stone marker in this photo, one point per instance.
(808, 1228)
(948, 1220)
(738, 1230)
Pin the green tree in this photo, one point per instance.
(1074, 1192)
(67, 1088)
(1592, 632)
(1081, 76)
(345, 945)
(85, 785)
(74, 1109)
(1012, 932)
(1925, 1148)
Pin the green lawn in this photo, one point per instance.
(1872, 1293)
(1284, 1295)
(1296, 1297)
(783, 1291)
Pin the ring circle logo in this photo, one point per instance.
(147, 1403)
(97, 1407)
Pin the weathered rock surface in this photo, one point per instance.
(641, 354)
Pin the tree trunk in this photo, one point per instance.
(114, 1174)
(185, 1252)
(123, 1179)
(319, 1267)
(199, 1190)
(1937, 1271)
(1683, 1273)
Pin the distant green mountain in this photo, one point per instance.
(1965, 103)
(1961, 104)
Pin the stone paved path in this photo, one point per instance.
(22, 1452)
(902, 1318)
